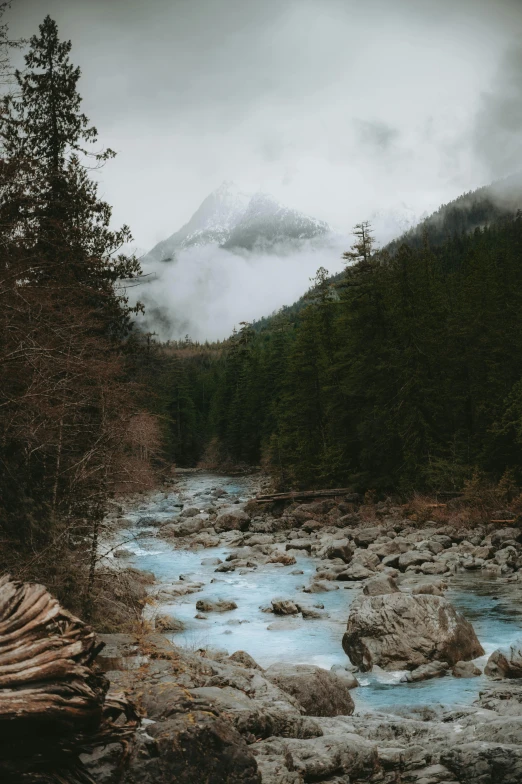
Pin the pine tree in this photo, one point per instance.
(65, 226)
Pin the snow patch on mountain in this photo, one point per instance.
(233, 219)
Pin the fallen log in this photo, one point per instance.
(54, 705)
(301, 495)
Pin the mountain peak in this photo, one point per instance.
(233, 219)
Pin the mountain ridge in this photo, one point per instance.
(236, 220)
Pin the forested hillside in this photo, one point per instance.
(406, 374)
(473, 210)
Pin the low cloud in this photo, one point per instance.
(208, 291)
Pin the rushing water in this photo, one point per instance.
(493, 607)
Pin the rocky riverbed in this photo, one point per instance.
(310, 643)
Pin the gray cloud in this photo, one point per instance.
(339, 108)
(498, 134)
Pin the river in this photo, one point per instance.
(492, 606)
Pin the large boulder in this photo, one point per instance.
(399, 631)
(320, 692)
(380, 585)
(506, 662)
(232, 521)
(367, 536)
(341, 548)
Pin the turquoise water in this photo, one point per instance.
(493, 608)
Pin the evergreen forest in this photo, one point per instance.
(403, 374)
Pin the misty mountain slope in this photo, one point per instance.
(466, 213)
(471, 210)
(212, 223)
(232, 219)
(266, 224)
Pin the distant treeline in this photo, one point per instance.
(404, 373)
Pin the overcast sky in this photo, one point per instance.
(337, 107)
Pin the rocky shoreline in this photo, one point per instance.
(211, 716)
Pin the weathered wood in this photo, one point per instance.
(300, 495)
(53, 704)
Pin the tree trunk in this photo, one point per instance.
(53, 704)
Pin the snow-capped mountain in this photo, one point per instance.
(266, 224)
(232, 219)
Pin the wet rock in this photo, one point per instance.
(507, 555)
(355, 573)
(189, 512)
(245, 660)
(382, 584)
(340, 549)
(430, 589)
(506, 662)
(366, 536)
(168, 623)
(444, 540)
(211, 562)
(226, 567)
(401, 631)
(484, 763)
(413, 558)
(299, 544)
(366, 558)
(426, 672)
(320, 692)
(285, 559)
(466, 670)
(498, 538)
(236, 520)
(321, 586)
(284, 607)
(434, 568)
(188, 741)
(220, 605)
(310, 613)
(340, 671)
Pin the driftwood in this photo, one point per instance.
(53, 705)
(302, 495)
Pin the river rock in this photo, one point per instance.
(186, 741)
(320, 692)
(189, 512)
(168, 623)
(479, 762)
(321, 586)
(382, 584)
(284, 607)
(430, 589)
(401, 631)
(245, 660)
(413, 558)
(355, 573)
(426, 671)
(236, 520)
(366, 536)
(505, 535)
(506, 662)
(340, 671)
(221, 605)
(466, 669)
(340, 549)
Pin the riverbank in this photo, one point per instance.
(279, 584)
